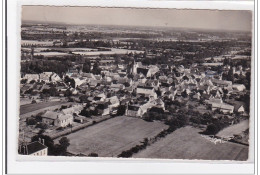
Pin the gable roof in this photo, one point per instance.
(35, 147)
(50, 115)
(222, 106)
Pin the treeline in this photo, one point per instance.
(40, 66)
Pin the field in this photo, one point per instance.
(186, 143)
(111, 137)
(234, 129)
(52, 53)
(113, 51)
(33, 107)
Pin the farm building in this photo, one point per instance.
(223, 107)
(57, 119)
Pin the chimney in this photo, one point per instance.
(43, 141)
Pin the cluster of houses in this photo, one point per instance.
(145, 89)
(64, 117)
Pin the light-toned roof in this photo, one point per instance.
(222, 106)
(64, 117)
(51, 115)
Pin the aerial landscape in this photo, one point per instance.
(134, 91)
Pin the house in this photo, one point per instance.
(54, 77)
(196, 96)
(239, 108)
(113, 102)
(147, 91)
(45, 76)
(143, 71)
(135, 66)
(33, 149)
(134, 111)
(117, 87)
(79, 119)
(74, 109)
(238, 87)
(157, 103)
(93, 83)
(89, 76)
(223, 107)
(98, 99)
(103, 108)
(79, 81)
(214, 100)
(153, 83)
(57, 119)
(31, 77)
(221, 83)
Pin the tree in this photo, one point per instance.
(86, 66)
(42, 126)
(71, 81)
(32, 81)
(65, 143)
(212, 129)
(23, 81)
(121, 110)
(31, 121)
(68, 93)
(96, 69)
(230, 76)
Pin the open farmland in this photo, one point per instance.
(112, 52)
(186, 143)
(111, 137)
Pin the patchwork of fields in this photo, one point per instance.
(111, 137)
(186, 143)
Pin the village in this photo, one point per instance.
(202, 90)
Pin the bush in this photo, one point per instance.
(63, 107)
(42, 126)
(93, 155)
(31, 121)
(33, 101)
(23, 81)
(32, 81)
(212, 129)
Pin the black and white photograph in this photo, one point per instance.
(142, 83)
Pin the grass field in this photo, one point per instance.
(33, 107)
(186, 143)
(111, 137)
(234, 129)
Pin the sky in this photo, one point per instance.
(199, 19)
